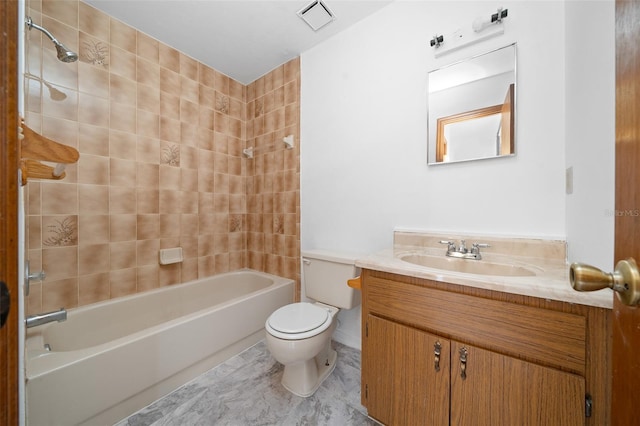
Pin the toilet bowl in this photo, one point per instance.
(299, 337)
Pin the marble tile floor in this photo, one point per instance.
(246, 390)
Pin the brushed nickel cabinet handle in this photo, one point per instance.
(437, 349)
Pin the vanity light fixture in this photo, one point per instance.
(316, 14)
(480, 24)
(481, 29)
(437, 40)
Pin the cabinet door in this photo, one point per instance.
(500, 390)
(402, 385)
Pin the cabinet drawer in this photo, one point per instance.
(550, 337)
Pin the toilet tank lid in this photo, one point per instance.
(331, 256)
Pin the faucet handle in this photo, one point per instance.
(480, 245)
(475, 247)
(451, 246)
(29, 276)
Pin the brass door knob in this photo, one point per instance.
(625, 280)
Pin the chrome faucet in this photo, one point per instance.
(462, 251)
(39, 319)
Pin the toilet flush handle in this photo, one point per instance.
(306, 261)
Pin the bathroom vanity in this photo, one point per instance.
(441, 347)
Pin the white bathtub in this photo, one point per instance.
(112, 358)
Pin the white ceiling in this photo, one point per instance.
(243, 39)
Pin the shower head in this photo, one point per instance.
(64, 54)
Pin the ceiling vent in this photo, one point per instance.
(316, 14)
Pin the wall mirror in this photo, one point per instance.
(472, 108)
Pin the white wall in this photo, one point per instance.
(590, 140)
(364, 131)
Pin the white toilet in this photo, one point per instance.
(299, 334)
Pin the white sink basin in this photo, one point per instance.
(469, 266)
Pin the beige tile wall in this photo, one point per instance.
(273, 175)
(160, 137)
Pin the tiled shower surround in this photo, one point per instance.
(161, 139)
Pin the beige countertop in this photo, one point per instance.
(551, 279)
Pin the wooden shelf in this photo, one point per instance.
(35, 148)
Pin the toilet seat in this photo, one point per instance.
(298, 321)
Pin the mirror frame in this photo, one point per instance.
(507, 109)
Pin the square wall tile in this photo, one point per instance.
(147, 277)
(123, 63)
(148, 72)
(148, 124)
(65, 11)
(147, 252)
(93, 258)
(93, 22)
(122, 90)
(148, 226)
(60, 263)
(93, 199)
(123, 282)
(60, 293)
(93, 229)
(123, 36)
(59, 198)
(169, 57)
(123, 227)
(122, 200)
(122, 172)
(122, 117)
(188, 67)
(122, 144)
(122, 255)
(93, 140)
(93, 288)
(148, 200)
(93, 80)
(148, 47)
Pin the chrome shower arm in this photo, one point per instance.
(30, 25)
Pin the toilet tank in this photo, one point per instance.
(325, 274)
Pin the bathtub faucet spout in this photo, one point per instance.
(35, 320)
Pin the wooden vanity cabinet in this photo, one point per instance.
(405, 388)
(443, 354)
